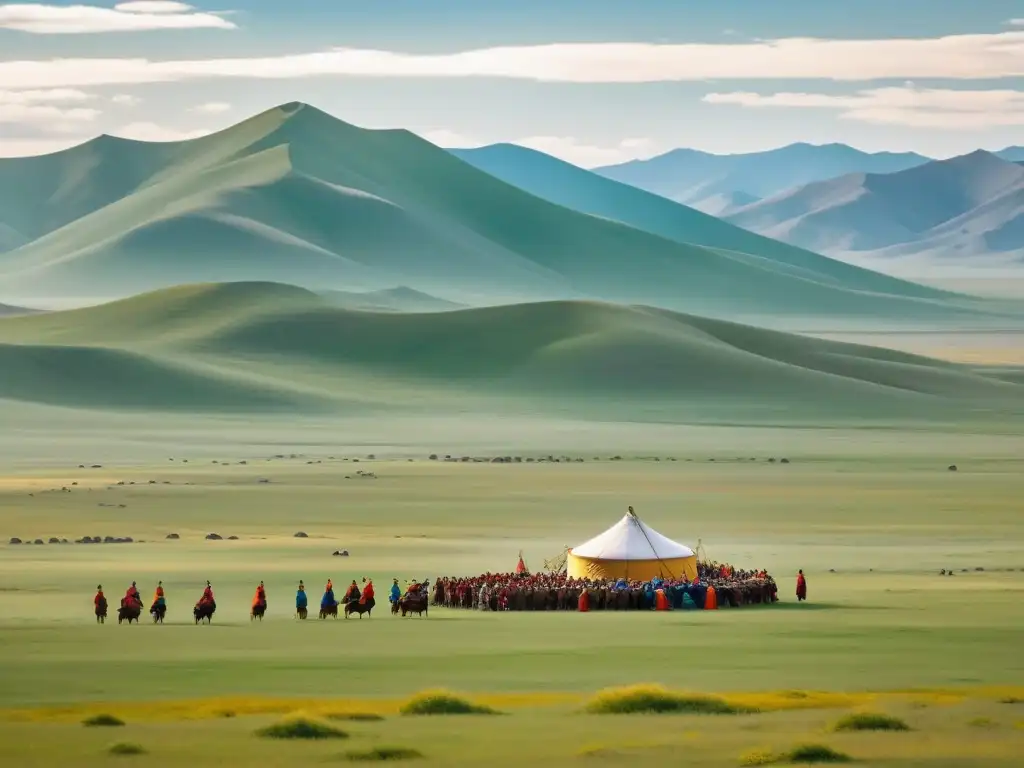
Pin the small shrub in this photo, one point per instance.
(981, 722)
(442, 703)
(870, 721)
(358, 717)
(1011, 700)
(301, 728)
(126, 748)
(758, 757)
(814, 753)
(655, 699)
(384, 753)
(102, 721)
(227, 714)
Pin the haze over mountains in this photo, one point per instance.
(718, 184)
(966, 212)
(294, 195)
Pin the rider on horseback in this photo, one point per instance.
(352, 594)
(260, 599)
(159, 602)
(100, 601)
(367, 592)
(328, 601)
(396, 592)
(207, 598)
(132, 597)
(300, 598)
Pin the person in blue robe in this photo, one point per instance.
(328, 601)
(300, 597)
(396, 592)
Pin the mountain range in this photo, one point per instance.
(718, 184)
(965, 211)
(268, 347)
(294, 195)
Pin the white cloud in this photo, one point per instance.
(125, 100)
(153, 132)
(152, 6)
(568, 148)
(588, 155)
(212, 108)
(47, 109)
(975, 56)
(907, 105)
(1015, 22)
(137, 16)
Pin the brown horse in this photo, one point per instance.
(129, 612)
(101, 611)
(302, 613)
(257, 611)
(414, 604)
(204, 611)
(330, 610)
(354, 606)
(158, 612)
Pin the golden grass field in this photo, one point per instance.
(882, 632)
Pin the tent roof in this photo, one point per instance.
(631, 539)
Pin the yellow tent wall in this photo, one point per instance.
(639, 570)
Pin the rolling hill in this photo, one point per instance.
(706, 181)
(7, 310)
(272, 347)
(965, 210)
(400, 299)
(295, 195)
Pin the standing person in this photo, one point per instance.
(801, 586)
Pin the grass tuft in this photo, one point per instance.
(126, 748)
(1011, 700)
(301, 728)
(355, 717)
(102, 721)
(655, 699)
(982, 722)
(442, 703)
(870, 721)
(813, 754)
(380, 754)
(758, 757)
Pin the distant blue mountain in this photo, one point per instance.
(701, 179)
(1013, 154)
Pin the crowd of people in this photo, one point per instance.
(716, 585)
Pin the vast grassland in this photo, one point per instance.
(871, 517)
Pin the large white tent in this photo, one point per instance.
(633, 550)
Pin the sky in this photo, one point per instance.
(595, 82)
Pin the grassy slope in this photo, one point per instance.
(548, 353)
(565, 184)
(400, 299)
(296, 195)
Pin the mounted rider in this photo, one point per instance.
(352, 594)
(159, 601)
(132, 598)
(367, 593)
(300, 598)
(260, 598)
(396, 592)
(100, 600)
(328, 601)
(207, 598)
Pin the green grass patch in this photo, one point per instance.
(355, 717)
(982, 722)
(758, 757)
(124, 748)
(102, 721)
(870, 721)
(381, 754)
(655, 699)
(813, 754)
(443, 703)
(301, 728)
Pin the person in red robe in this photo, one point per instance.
(711, 599)
(801, 586)
(132, 597)
(367, 592)
(207, 598)
(584, 604)
(100, 603)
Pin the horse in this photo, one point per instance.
(101, 611)
(394, 606)
(204, 611)
(158, 611)
(354, 606)
(302, 612)
(329, 610)
(129, 612)
(416, 603)
(258, 610)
